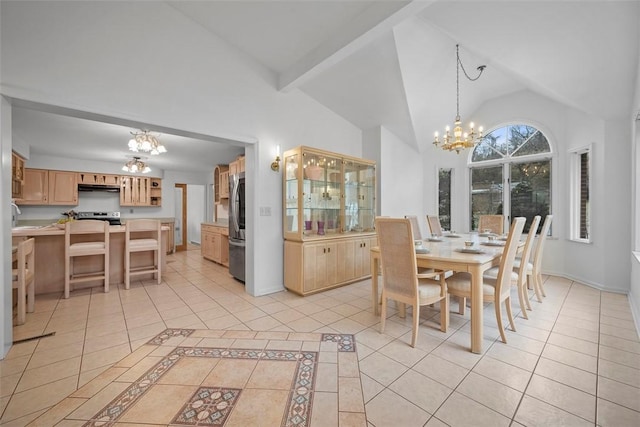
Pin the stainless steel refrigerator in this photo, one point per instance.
(236, 226)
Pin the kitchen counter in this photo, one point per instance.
(49, 256)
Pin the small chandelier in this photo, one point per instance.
(146, 142)
(460, 140)
(135, 165)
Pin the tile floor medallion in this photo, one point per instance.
(213, 402)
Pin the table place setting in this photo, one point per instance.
(470, 248)
(419, 248)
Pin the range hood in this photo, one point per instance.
(99, 187)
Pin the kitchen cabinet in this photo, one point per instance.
(214, 243)
(135, 191)
(98, 179)
(49, 187)
(329, 205)
(17, 175)
(63, 188)
(220, 190)
(236, 166)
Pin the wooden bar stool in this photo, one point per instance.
(83, 239)
(142, 235)
(23, 279)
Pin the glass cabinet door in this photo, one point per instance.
(321, 193)
(292, 219)
(359, 196)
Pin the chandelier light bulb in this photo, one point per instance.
(136, 165)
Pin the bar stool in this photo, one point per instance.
(23, 278)
(81, 239)
(142, 235)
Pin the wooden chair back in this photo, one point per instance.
(493, 223)
(22, 278)
(397, 256)
(542, 238)
(503, 281)
(415, 227)
(434, 225)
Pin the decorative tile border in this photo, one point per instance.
(209, 406)
(297, 414)
(346, 342)
(165, 335)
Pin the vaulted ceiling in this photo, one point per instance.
(392, 63)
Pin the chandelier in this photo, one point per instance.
(135, 165)
(460, 140)
(146, 142)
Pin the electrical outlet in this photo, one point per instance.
(131, 210)
(265, 210)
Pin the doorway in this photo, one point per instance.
(180, 217)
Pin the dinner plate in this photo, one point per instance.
(422, 250)
(470, 250)
(493, 243)
(486, 234)
(452, 235)
(435, 239)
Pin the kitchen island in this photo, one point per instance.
(49, 256)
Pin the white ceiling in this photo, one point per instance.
(392, 63)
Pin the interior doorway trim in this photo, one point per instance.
(183, 226)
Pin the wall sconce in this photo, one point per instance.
(275, 165)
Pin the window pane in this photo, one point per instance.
(444, 198)
(486, 193)
(492, 146)
(530, 190)
(529, 141)
(584, 195)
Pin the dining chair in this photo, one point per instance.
(496, 290)
(142, 235)
(493, 223)
(534, 267)
(401, 281)
(23, 279)
(434, 225)
(415, 227)
(520, 267)
(81, 240)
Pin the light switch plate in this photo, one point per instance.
(265, 210)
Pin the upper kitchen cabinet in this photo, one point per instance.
(236, 166)
(17, 175)
(48, 187)
(63, 188)
(221, 183)
(135, 191)
(98, 179)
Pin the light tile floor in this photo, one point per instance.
(576, 361)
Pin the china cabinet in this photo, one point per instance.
(328, 223)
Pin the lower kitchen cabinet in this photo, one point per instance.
(171, 245)
(214, 244)
(311, 267)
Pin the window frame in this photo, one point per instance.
(506, 161)
(575, 193)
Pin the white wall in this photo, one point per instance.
(195, 211)
(6, 331)
(84, 56)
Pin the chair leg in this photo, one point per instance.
(158, 265)
(22, 303)
(31, 296)
(526, 292)
(507, 303)
(522, 291)
(499, 320)
(536, 287)
(416, 324)
(127, 266)
(462, 304)
(540, 283)
(106, 273)
(67, 276)
(383, 311)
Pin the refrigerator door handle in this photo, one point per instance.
(236, 206)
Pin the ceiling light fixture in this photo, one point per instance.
(146, 142)
(459, 140)
(135, 165)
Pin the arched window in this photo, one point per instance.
(511, 174)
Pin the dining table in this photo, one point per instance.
(449, 253)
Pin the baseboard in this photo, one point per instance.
(270, 290)
(587, 282)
